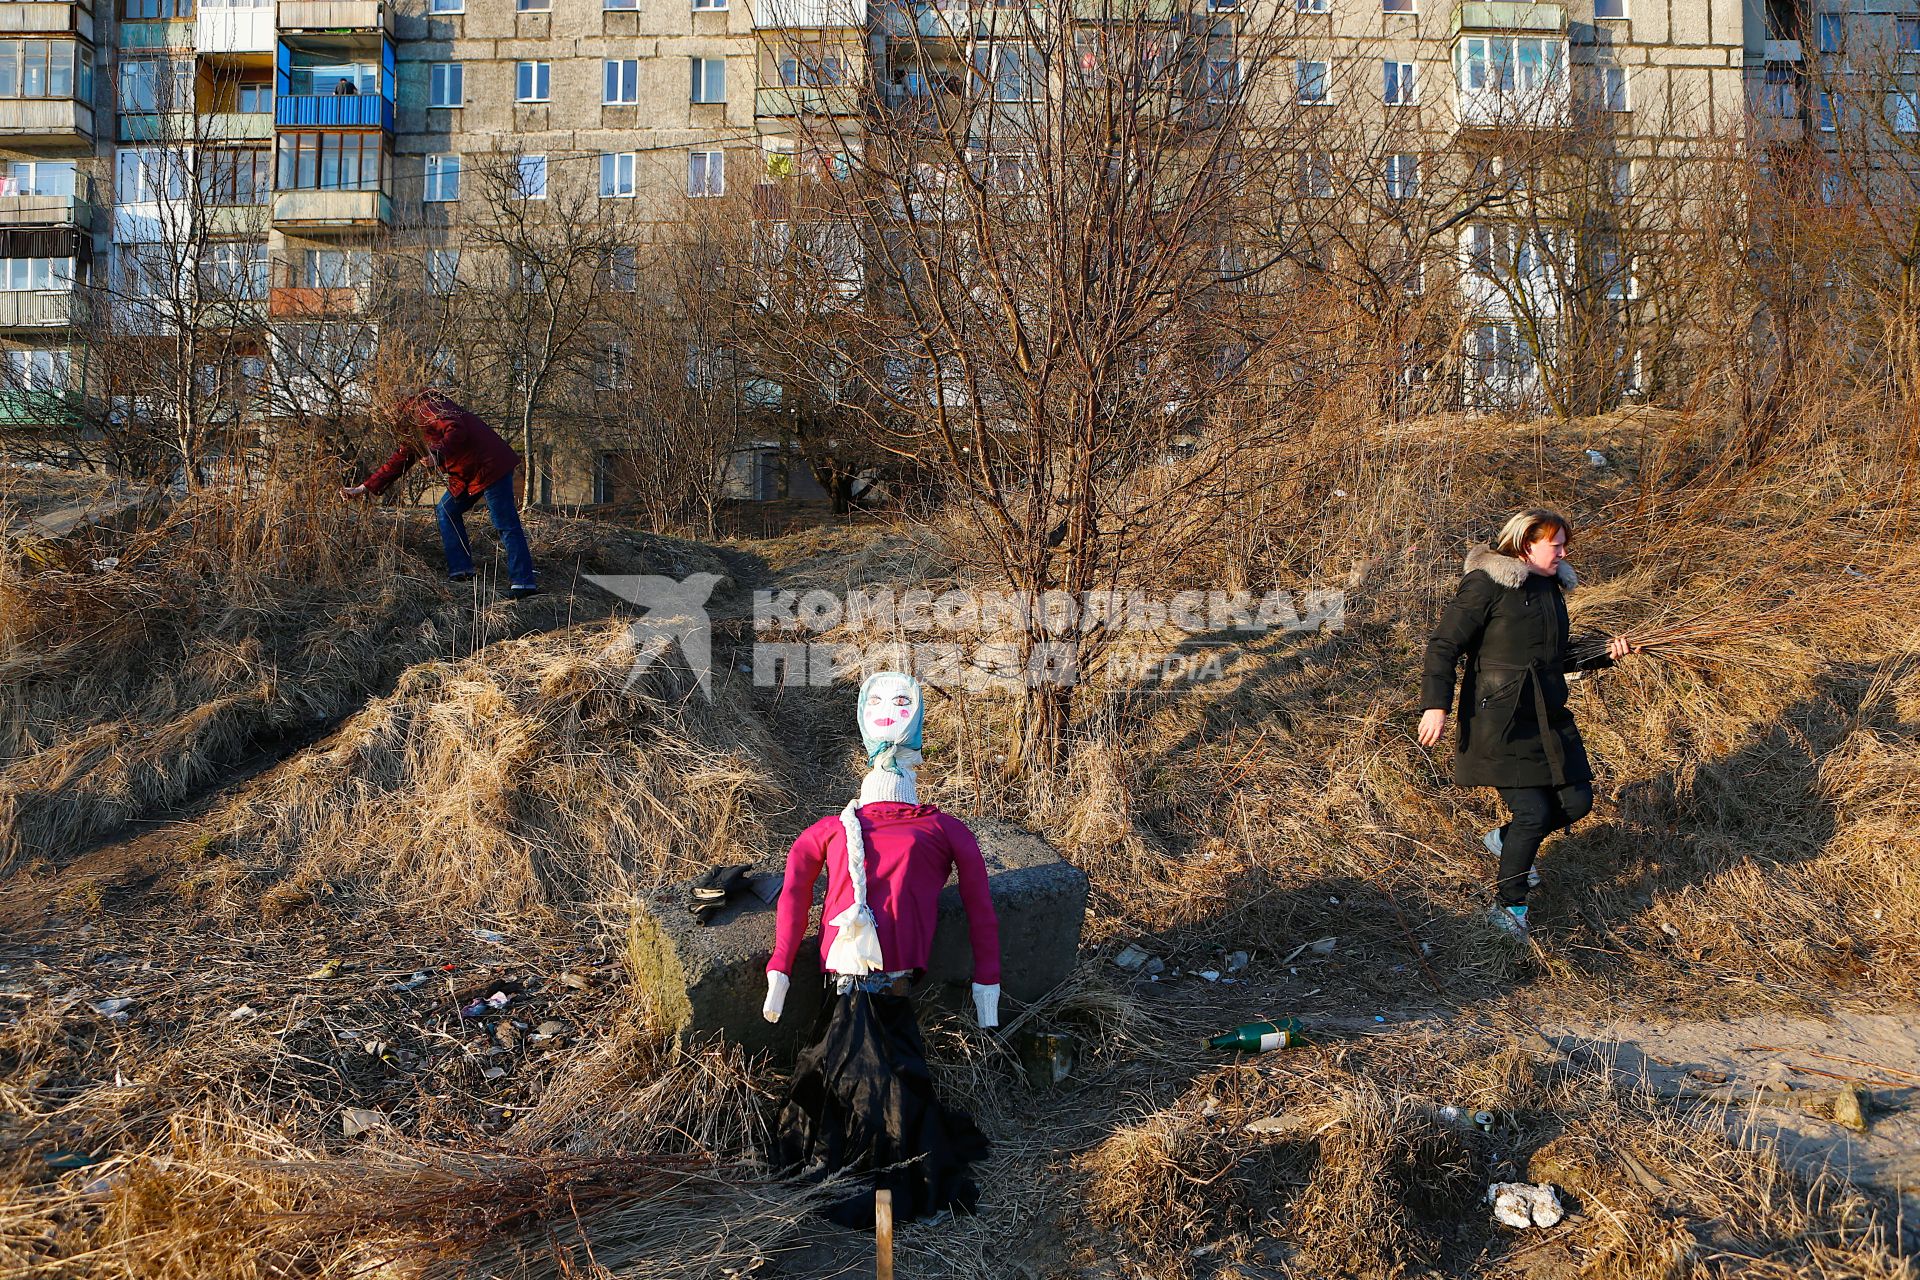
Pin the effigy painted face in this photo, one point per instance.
(890, 712)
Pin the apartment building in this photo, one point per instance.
(305, 134)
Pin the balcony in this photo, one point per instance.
(333, 111)
(798, 100)
(237, 126)
(959, 23)
(808, 15)
(336, 16)
(39, 308)
(1509, 15)
(157, 35)
(234, 29)
(188, 129)
(39, 408)
(33, 17)
(290, 301)
(47, 122)
(323, 210)
(237, 221)
(46, 211)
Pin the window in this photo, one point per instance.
(46, 369)
(1616, 276)
(443, 179)
(532, 81)
(1832, 188)
(1316, 175)
(1400, 83)
(446, 6)
(151, 84)
(530, 178)
(709, 79)
(1903, 112)
(808, 72)
(1622, 185)
(709, 4)
(1609, 8)
(1396, 6)
(622, 273)
(616, 174)
(1778, 96)
(706, 173)
(1829, 32)
(615, 368)
(620, 4)
(20, 275)
(45, 69)
(330, 162)
(623, 81)
(311, 75)
(1613, 89)
(156, 10)
(446, 84)
(1906, 34)
(336, 268)
(1015, 71)
(254, 98)
(143, 174)
(1222, 67)
(230, 176)
(1499, 64)
(1829, 111)
(1403, 177)
(1313, 6)
(442, 270)
(531, 277)
(532, 6)
(235, 269)
(37, 178)
(1310, 80)
(444, 366)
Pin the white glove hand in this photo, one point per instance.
(986, 1004)
(777, 984)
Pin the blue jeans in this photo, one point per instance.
(452, 511)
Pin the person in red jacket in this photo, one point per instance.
(861, 1099)
(477, 464)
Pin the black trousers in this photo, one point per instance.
(1537, 812)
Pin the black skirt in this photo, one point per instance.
(862, 1100)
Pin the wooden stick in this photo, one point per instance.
(883, 1234)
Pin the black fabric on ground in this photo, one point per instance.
(862, 1099)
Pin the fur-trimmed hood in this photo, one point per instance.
(1511, 571)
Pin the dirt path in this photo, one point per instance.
(1776, 1072)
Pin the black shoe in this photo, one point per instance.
(461, 577)
(521, 593)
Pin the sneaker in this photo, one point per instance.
(1510, 923)
(521, 593)
(1496, 845)
(461, 577)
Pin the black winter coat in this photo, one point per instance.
(1511, 625)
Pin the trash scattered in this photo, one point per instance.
(119, 1004)
(244, 1011)
(1379, 1017)
(1131, 958)
(499, 1000)
(355, 1121)
(419, 979)
(1333, 902)
(1669, 930)
(1523, 1205)
(331, 969)
(1322, 946)
(1483, 1120)
(1238, 961)
(1047, 1057)
(1211, 975)
(71, 1159)
(1596, 458)
(474, 1010)
(494, 1073)
(1271, 1126)
(106, 565)
(1260, 1037)
(1155, 965)
(486, 935)
(550, 1028)
(579, 982)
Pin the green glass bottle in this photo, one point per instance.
(1260, 1037)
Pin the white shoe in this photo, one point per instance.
(1513, 926)
(1496, 846)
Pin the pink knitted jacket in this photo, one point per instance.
(911, 848)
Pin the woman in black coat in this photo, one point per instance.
(1515, 734)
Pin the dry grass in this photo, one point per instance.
(1358, 1173)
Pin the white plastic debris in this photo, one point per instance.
(355, 1121)
(1131, 958)
(1237, 961)
(1596, 458)
(107, 565)
(1211, 975)
(1523, 1205)
(119, 1004)
(487, 935)
(1322, 947)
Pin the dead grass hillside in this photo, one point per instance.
(143, 660)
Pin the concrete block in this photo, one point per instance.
(704, 981)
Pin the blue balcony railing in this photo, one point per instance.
(333, 110)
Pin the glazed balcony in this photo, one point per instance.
(233, 28)
(333, 111)
(336, 16)
(35, 17)
(809, 15)
(332, 210)
(1509, 16)
(806, 100)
